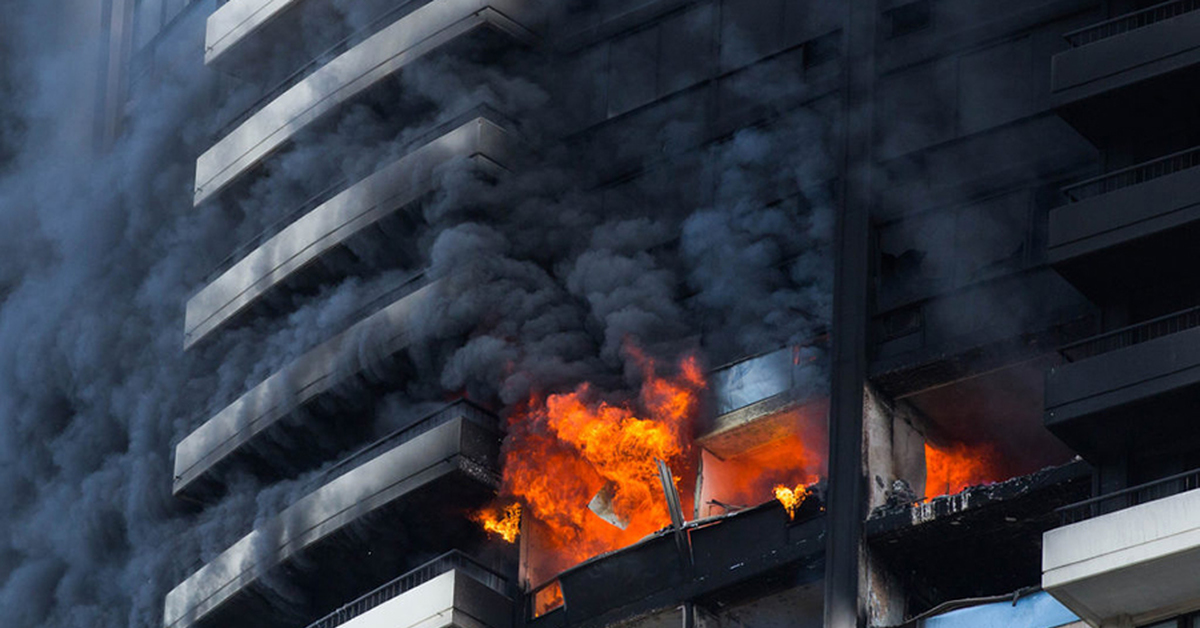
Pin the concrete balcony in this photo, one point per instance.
(1127, 388)
(441, 25)
(452, 590)
(762, 398)
(242, 433)
(1136, 564)
(396, 503)
(1138, 62)
(360, 217)
(1137, 224)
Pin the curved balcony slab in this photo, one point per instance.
(314, 537)
(287, 255)
(210, 449)
(434, 26)
(231, 23)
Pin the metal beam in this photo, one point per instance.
(844, 607)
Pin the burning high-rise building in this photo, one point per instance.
(599, 313)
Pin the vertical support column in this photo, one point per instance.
(844, 606)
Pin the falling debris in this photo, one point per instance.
(602, 505)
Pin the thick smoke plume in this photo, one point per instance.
(551, 269)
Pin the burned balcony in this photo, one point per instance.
(480, 27)
(998, 526)
(1133, 387)
(1134, 226)
(1141, 66)
(403, 497)
(338, 237)
(1129, 555)
(733, 557)
(452, 590)
(302, 399)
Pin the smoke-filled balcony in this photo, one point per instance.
(383, 506)
(1136, 66)
(242, 434)
(320, 242)
(1131, 227)
(440, 26)
(1129, 555)
(240, 31)
(1127, 388)
(451, 590)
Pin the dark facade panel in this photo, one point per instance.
(1111, 402)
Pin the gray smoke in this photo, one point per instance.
(550, 271)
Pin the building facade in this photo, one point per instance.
(943, 243)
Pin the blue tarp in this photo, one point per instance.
(1038, 610)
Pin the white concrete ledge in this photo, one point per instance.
(1140, 561)
(332, 223)
(316, 372)
(411, 37)
(382, 480)
(233, 22)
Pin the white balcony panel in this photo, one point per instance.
(1141, 561)
(451, 599)
(235, 20)
(310, 375)
(383, 54)
(383, 480)
(337, 220)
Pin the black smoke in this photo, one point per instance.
(655, 229)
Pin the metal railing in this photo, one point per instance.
(310, 67)
(273, 229)
(1133, 175)
(1131, 335)
(454, 560)
(1132, 496)
(1130, 21)
(461, 408)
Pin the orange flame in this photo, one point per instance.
(547, 598)
(791, 498)
(506, 523)
(949, 470)
(569, 450)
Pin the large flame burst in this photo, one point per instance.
(569, 450)
(951, 469)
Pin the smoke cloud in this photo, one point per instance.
(549, 270)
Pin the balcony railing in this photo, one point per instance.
(344, 44)
(446, 562)
(1134, 175)
(462, 408)
(274, 229)
(1130, 21)
(1131, 335)
(1132, 496)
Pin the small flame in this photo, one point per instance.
(791, 498)
(547, 599)
(506, 523)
